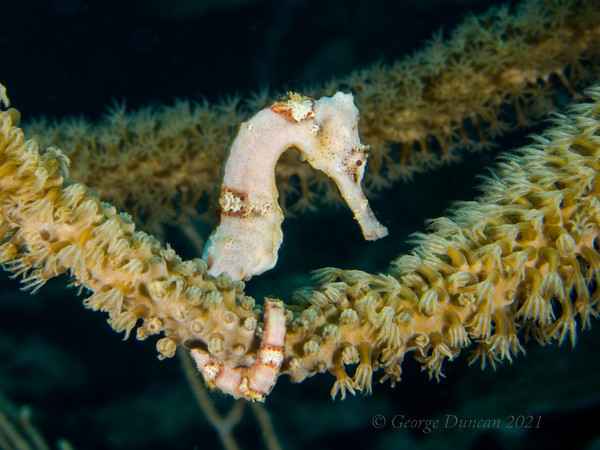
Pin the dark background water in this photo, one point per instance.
(71, 57)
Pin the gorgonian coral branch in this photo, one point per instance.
(493, 72)
(521, 261)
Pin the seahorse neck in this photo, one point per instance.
(254, 154)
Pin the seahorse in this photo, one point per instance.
(325, 132)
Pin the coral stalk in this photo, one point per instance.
(519, 262)
(494, 72)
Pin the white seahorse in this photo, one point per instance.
(325, 131)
